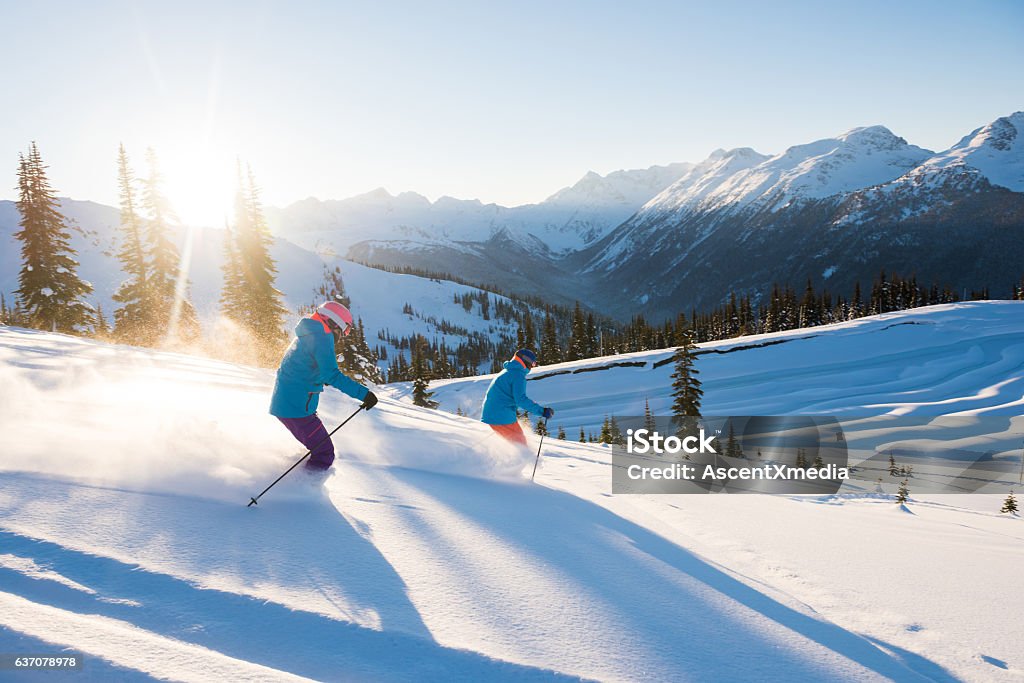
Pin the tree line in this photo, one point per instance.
(153, 308)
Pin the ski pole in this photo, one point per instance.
(537, 461)
(252, 501)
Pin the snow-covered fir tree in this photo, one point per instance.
(50, 295)
(902, 493)
(1010, 504)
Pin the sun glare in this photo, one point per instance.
(199, 183)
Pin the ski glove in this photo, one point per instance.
(548, 413)
(370, 401)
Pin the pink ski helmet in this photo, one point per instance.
(337, 314)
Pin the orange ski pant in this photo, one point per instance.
(511, 432)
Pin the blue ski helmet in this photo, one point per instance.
(528, 357)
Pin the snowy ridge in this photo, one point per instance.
(566, 221)
(734, 180)
(994, 152)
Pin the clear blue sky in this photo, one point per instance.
(504, 102)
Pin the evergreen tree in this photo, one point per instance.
(902, 493)
(1010, 504)
(590, 341)
(606, 431)
(550, 352)
(50, 295)
(614, 433)
(856, 306)
(649, 423)
(561, 433)
(232, 295)
(732, 444)
(583, 437)
(132, 320)
(542, 427)
(686, 387)
(801, 459)
(893, 469)
(101, 329)
(809, 315)
(529, 333)
(167, 306)
(249, 297)
(578, 341)
(421, 376)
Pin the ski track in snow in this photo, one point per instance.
(124, 533)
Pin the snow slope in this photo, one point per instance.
(426, 556)
(380, 298)
(965, 358)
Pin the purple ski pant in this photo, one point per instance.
(311, 433)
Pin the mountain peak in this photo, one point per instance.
(379, 194)
(877, 136)
(632, 187)
(994, 151)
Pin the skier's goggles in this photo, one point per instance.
(344, 330)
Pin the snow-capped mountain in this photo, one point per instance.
(835, 211)
(859, 158)
(566, 221)
(742, 179)
(994, 152)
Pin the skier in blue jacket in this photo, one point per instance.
(507, 392)
(307, 365)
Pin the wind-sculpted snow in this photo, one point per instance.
(956, 358)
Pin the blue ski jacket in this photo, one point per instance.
(307, 365)
(506, 393)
